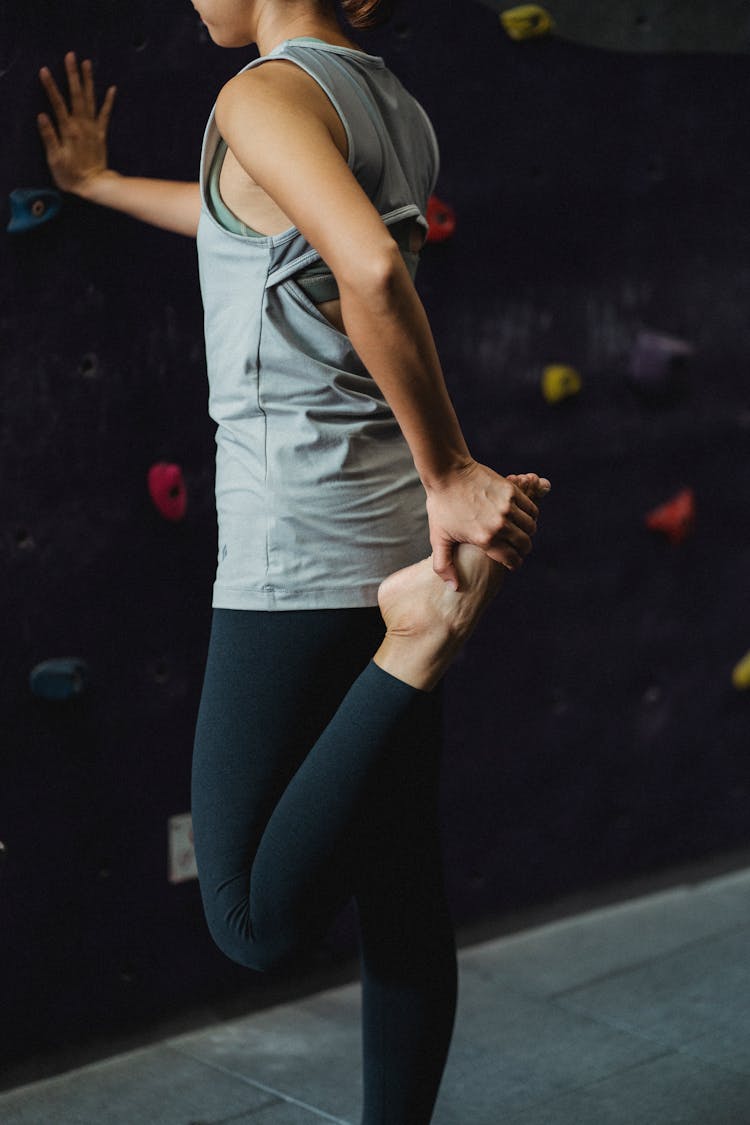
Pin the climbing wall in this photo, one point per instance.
(587, 281)
(591, 315)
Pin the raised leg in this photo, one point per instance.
(293, 719)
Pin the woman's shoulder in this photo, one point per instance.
(283, 83)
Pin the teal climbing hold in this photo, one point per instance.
(62, 678)
(30, 207)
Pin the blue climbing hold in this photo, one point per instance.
(63, 678)
(30, 207)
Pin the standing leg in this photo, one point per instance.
(408, 955)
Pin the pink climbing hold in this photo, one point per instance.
(675, 518)
(441, 220)
(166, 486)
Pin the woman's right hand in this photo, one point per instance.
(477, 505)
(79, 153)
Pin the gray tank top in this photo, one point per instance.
(317, 496)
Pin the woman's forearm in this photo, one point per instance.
(388, 327)
(169, 204)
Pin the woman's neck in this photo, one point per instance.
(270, 36)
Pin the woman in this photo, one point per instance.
(339, 461)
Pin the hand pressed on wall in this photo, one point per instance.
(77, 151)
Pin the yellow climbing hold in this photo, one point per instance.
(560, 382)
(741, 673)
(527, 21)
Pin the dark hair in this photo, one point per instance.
(367, 13)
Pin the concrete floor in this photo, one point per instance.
(635, 1013)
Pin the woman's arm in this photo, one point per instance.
(77, 158)
(269, 120)
(466, 501)
(169, 204)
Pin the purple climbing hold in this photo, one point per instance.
(59, 679)
(657, 365)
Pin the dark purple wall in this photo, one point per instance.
(592, 729)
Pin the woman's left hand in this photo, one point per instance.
(477, 505)
(77, 152)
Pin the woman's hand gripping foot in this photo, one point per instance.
(426, 620)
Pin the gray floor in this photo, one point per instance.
(636, 1013)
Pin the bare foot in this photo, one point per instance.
(426, 620)
(535, 487)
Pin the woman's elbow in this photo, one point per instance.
(371, 273)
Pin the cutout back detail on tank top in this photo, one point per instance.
(316, 280)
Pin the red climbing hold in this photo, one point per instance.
(166, 486)
(676, 518)
(441, 220)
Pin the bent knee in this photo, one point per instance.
(251, 953)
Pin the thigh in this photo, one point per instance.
(272, 682)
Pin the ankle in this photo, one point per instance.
(419, 659)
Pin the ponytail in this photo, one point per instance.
(367, 13)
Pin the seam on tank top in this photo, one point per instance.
(275, 588)
(266, 513)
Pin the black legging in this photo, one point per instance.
(315, 778)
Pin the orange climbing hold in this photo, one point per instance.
(441, 220)
(166, 486)
(675, 518)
